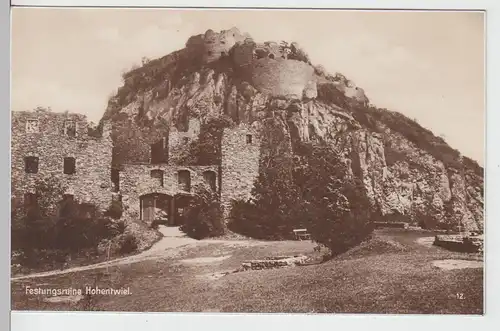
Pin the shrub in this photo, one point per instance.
(203, 215)
(65, 227)
(298, 53)
(273, 212)
(80, 230)
(118, 228)
(128, 244)
(33, 226)
(241, 218)
(328, 92)
(115, 210)
(156, 223)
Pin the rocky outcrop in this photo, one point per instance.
(404, 178)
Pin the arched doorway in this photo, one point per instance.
(156, 206)
(179, 208)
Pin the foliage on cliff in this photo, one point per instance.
(131, 135)
(206, 150)
(311, 188)
(275, 209)
(376, 119)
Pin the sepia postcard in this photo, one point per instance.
(247, 161)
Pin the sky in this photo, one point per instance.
(426, 65)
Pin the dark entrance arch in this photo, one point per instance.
(164, 208)
(181, 203)
(156, 206)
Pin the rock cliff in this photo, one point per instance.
(409, 174)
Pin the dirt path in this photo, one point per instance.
(169, 245)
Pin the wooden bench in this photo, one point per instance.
(301, 234)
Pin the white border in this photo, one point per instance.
(134, 321)
(381, 4)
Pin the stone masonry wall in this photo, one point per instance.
(211, 45)
(240, 164)
(271, 71)
(92, 180)
(136, 181)
(179, 141)
(282, 78)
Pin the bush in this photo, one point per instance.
(155, 224)
(269, 217)
(52, 258)
(242, 219)
(118, 228)
(329, 93)
(203, 215)
(66, 227)
(128, 244)
(77, 233)
(115, 210)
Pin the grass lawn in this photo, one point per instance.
(391, 273)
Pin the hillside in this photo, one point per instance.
(408, 172)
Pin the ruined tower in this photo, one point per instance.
(240, 164)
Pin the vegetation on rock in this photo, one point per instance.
(206, 150)
(376, 119)
(273, 212)
(314, 189)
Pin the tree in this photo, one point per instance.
(33, 224)
(204, 214)
(284, 47)
(336, 206)
(274, 210)
(312, 187)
